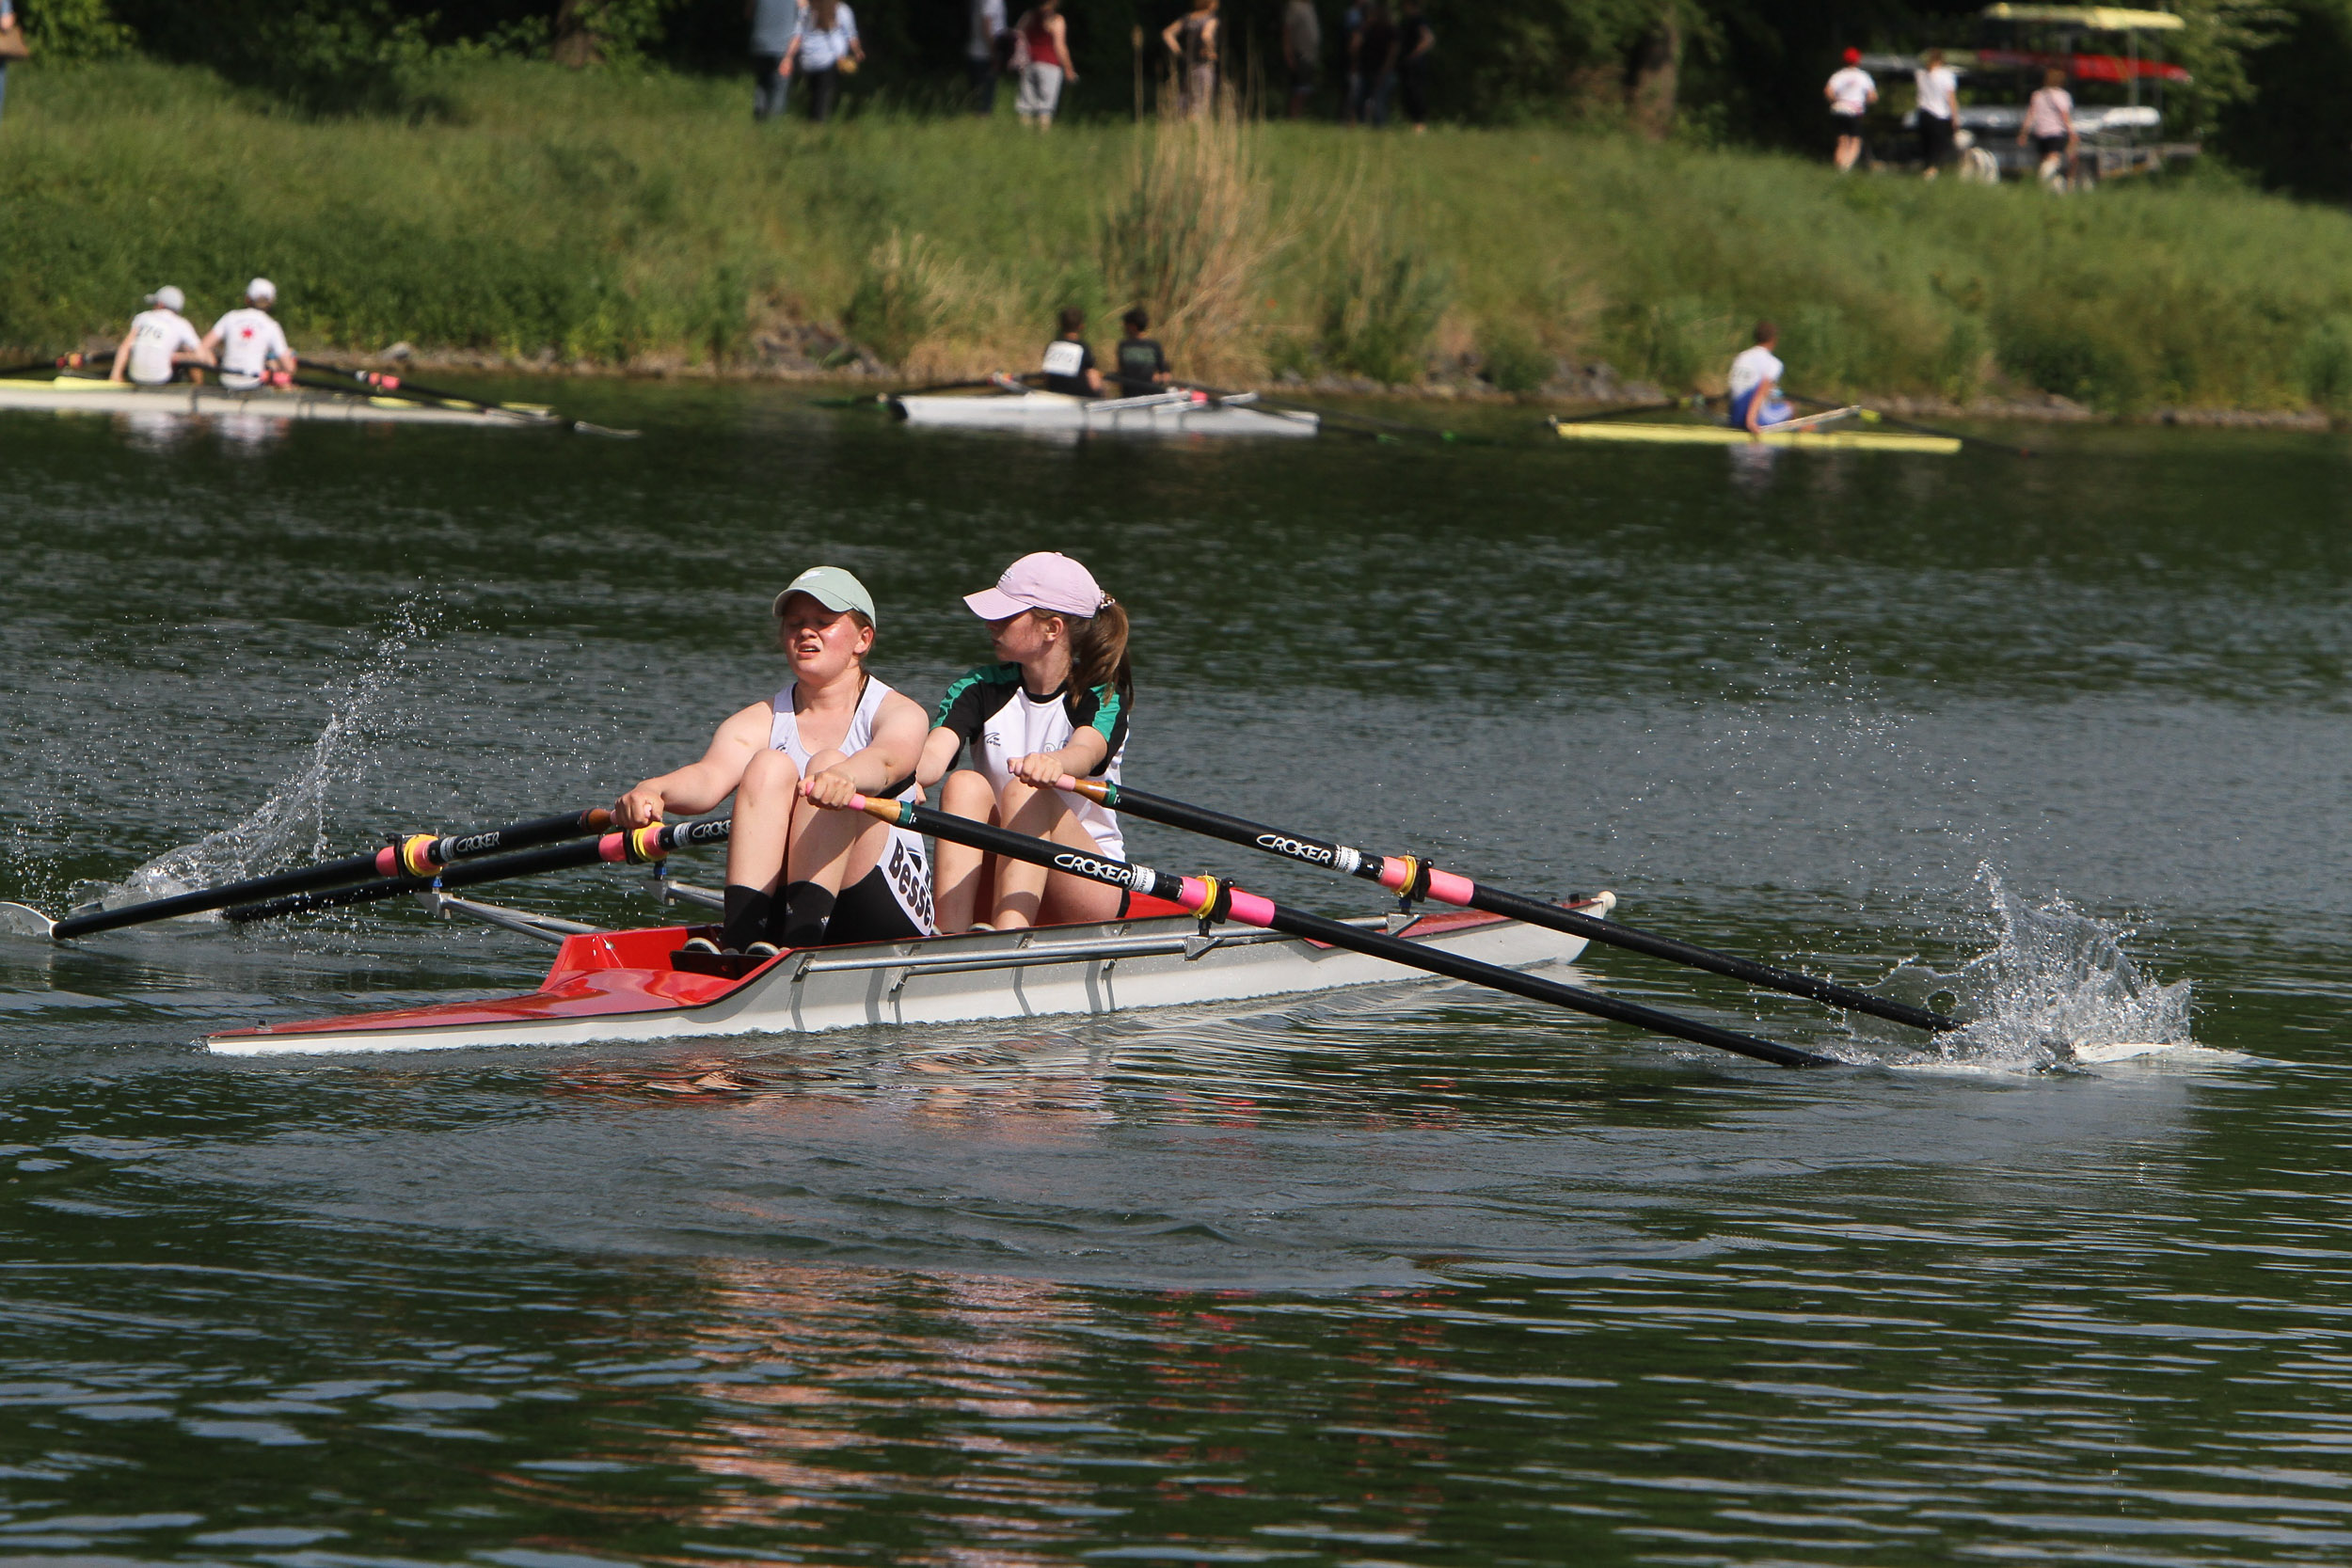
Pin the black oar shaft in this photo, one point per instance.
(1217, 900)
(1390, 870)
(418, 851)
(641, 847)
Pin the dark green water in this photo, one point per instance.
(1417, 1277)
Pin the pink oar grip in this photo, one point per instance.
(613, 847)
(1250, 910)
(1392, 873)
(1446, 888)
(388, 860)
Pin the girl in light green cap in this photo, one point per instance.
(798, 874)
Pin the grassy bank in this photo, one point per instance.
(644, 221)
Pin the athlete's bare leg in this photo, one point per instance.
(764, 803)
(1029, 894)
(833, 848)
(958, 873)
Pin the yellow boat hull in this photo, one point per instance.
(1724, 435)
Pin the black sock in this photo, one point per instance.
(746, 918)
(806, 908)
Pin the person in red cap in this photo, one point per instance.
(1055, 702)
(1851, 92)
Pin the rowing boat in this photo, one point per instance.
(638, 984)
(1170, 413)
(1724, 435)
(184, 399)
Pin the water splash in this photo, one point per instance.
(2057, 989)
(291, 824)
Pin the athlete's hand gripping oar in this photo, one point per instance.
(638, 846)
(1873, 416)
(1414, 877)
(421, 855)
(1214, 899)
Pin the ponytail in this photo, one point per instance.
(1098, 649)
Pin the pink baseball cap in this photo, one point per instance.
(1046, 580)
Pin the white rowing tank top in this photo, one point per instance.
(907, 864)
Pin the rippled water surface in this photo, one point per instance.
(1411, 1276)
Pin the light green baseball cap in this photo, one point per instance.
(833, 588)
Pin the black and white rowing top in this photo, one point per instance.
(994, 714)
(906, 865)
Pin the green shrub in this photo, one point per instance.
(1380, 308)
(1511, 358)
(2323, 363)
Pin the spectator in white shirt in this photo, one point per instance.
(826, 51)
(1851, 92)
(1939, 94)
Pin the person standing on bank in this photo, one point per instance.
(1192, 39)
(1045, 39)
(11, 45)
(1375, 60)
(1415, 38)
(775, 28)
(2050, 123)
(1302, 53)
(1143, 363)
(1939, 95)
(1069, 364)
(827, 50)
(979, 53)
(1351, 42)
(1851, 92)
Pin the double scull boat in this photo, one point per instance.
(640, 985)
(67, 394)
(1176, 412)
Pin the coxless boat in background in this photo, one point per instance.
(180, 399)
(1176, 412)
(1807, 440)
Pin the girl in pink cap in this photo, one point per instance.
(1055, 702)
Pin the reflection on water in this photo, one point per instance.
(1412, 1275)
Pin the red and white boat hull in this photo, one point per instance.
(629, 986)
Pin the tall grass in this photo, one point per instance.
(642, 219)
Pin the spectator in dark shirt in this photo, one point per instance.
(1302, 52)
(1143, 363)
(775, 28)
(1415, 38)
(1351, 36)
(1375, 57)
(1069, 364)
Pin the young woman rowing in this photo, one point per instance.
(1056, 702)
(798, 875)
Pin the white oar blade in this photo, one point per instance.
(23, 920)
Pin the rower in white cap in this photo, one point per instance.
(159, 342)
(251, 343)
